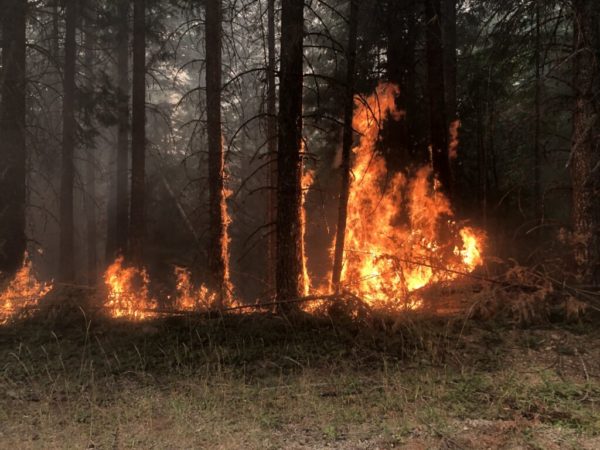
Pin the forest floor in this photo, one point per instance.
(257, 381)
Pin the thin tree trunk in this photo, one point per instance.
(272, 146)
(346, 147)
(449, 40)
(481, 159)
(289, 162)
(122, 170)
(13, 154)
(137, 224)
(217, 251)
(585, 150)
(90, 163)
(438, 128)
(537, 155)
(66, 245)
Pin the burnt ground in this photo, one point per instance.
(70, 379)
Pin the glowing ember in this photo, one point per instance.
(128, 294)
(22, 292)
(399, 236)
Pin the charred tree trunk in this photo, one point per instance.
(346, 148)
(217, 251)
(449, 40)
(585, 147)
(289, 159)
(13, 154)
(400, 137)
(438, 129)
(66, 245)
(90, 163)
(121, 212)
(137, 224)
(271, 147)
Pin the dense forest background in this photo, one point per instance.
(127, 125)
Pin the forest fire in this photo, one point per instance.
(22, 292)
(400, 234)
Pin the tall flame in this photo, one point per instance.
(306, 183)
(23, 291)
(400, 235)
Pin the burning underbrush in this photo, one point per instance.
(128, 293)
(21, 293)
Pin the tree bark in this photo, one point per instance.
(585, 147)
(67, 229)
(537, 151)
(90, 163)
(450, 60)
(271, 147)
(438, 128)
(289, 161)
(346, 147)
(401, 136)
(217, 251)
(13, 154)
(137, 224)
(122, 170)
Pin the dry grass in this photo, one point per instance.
(257, 381)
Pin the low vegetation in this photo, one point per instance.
(261, 381)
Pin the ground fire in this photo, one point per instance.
(22, 293)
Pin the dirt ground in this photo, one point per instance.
(257, 381)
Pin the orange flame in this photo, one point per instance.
(227, 287)
(399, 234)
(306, 183)
(128, 294)
(190, 298)
(22, 292)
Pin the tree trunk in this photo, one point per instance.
(289, 162)
(66, 245)
(122, 171)
(438, 128)
(271, 147)
(137, 227)
(449, 40)
(400, 138)
(585, 149)
(537, 151)
(346, 148)
(90, 163)
(217, 251)
(481, 158)
(13, 155)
